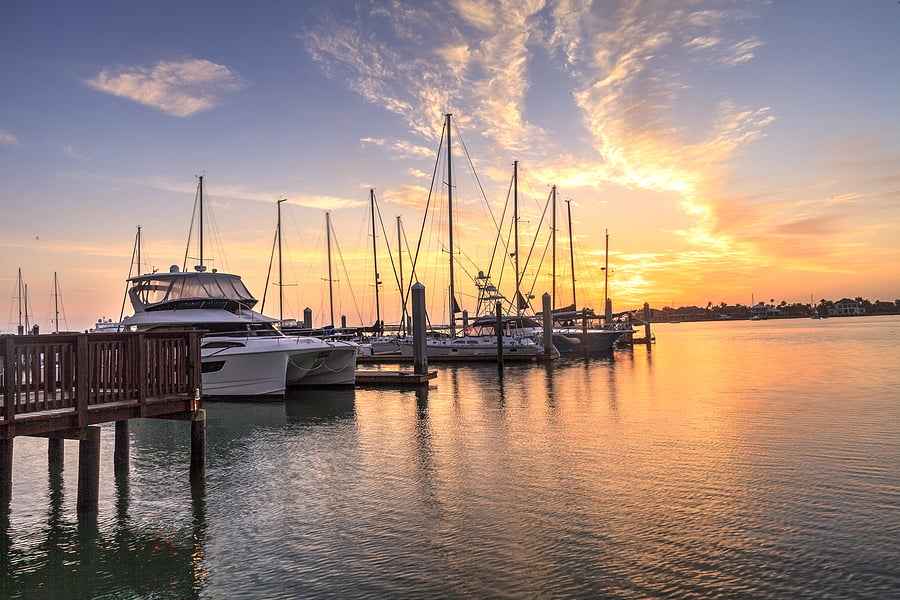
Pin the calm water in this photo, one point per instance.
(736, 460)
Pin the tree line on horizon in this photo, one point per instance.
(785, 309)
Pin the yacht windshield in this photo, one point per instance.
(181, 287)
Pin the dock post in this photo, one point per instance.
(88, 470)
(420, 354)
(307, 318)
(6, 456)
(120, 456)
(198, 445)
(548, 324)
(55, 453)
(584, 328)
(647, 323)
(498, 310)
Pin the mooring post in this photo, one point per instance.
(548, 324)
(498, 310)
(120, 455)
(307, 318)
(56, 453)
(647, 324)
(420, 354)
(198, 444)
(88, 470)
(584, 335)
(6, 456)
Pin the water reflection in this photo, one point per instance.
(320, 406)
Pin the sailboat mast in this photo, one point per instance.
(330, 287)
(137, 247)
(20, 286)
(402, 290)
(606, 276)
(201, 222)
(516, 233)
(280, 271)
(375, 262)
(450, 221)
(553, 235)
(56, 300)
(571, 253)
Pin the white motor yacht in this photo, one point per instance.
(243, 352)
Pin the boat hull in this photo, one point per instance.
(335, 366)
(571, 341)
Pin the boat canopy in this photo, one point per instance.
(201, 289)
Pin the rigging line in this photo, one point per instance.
(437, 159)
(475, 176)
(535, 238)
(346, 273)
(387, 244)
(187, 247)
(262, 306)
(134, 251)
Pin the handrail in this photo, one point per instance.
(77, 372)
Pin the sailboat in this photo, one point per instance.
(479, 340)
(243, 352)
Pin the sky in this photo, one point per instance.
(733, 151)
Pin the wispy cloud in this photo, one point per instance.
(178, 88)
(629, 66)
(8, 139)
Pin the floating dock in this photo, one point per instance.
(373, 377)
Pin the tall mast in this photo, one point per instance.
(450, 220)
(571, 253)
(56, 300)
(402, 290)
(375, 262)
(330, 288)
(606, 273)
(553, 235)
(280, 272)
(201, 222)
(21, 289)
(137, 249)
(516, 232)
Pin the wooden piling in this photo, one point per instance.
(56, 453)
(88, 470)
(6, 456)
(498, 311)
(546, 311)
(198, 445)
(420, 349)
(122, 450)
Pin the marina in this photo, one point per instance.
(705, 465)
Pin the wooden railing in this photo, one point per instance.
(65, 373)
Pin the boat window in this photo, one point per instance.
(151, 292)
(222, 344)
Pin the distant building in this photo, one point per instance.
(845, 307)
(761, 310)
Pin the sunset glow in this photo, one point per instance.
(729, 149)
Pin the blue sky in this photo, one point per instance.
(732, 149)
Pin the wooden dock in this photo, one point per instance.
(367, 377)
(60, 386)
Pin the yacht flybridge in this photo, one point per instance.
(243, 353)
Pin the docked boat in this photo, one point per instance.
(243, 352)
